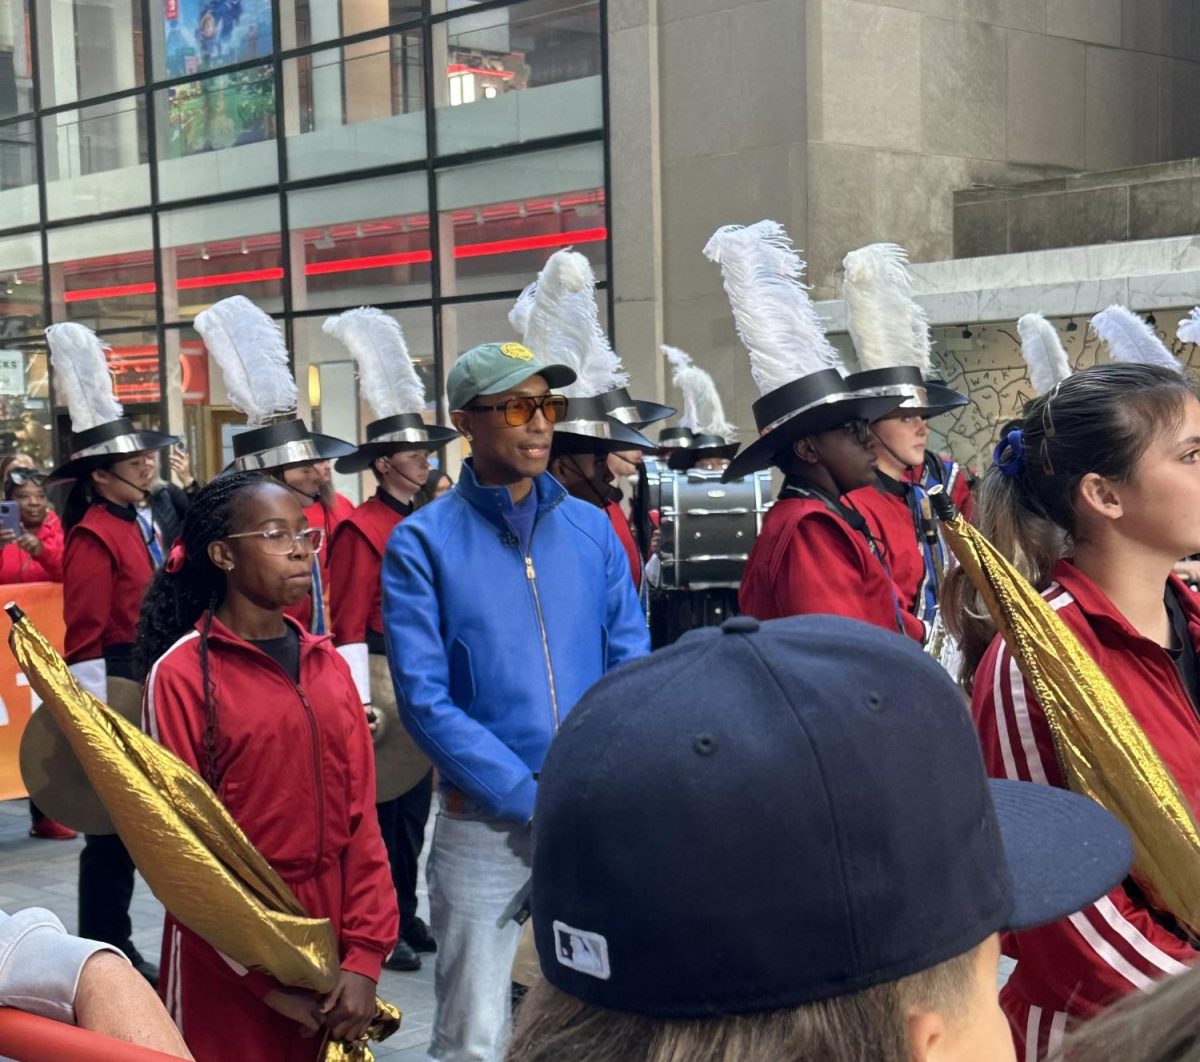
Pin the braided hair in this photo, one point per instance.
(176, 599)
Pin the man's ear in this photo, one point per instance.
(462, 422)
(221, 555)
(806, 450)
(1101, 497)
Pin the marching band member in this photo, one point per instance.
(814, 553)
(248, 348)
(1095, 493)
(397, 454)
(108, 562)
(891, 336)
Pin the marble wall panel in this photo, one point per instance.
(1045, 113)
(1164, 208)
(1094, 21)
(963, 78)
(1122, 108)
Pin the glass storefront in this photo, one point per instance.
(424, 156)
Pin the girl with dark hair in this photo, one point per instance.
(36, 554)
(268, 715)
(1095, 494)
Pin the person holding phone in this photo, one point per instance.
(31, 536)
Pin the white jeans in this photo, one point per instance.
(477, 865)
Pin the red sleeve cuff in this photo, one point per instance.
(365, 961)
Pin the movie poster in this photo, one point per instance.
(229, 109)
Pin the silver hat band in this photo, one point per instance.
(406, 435)
(594, 429)
(122, 444)
(625, 414)
(298, 451)
(841, 396)
(914, 397)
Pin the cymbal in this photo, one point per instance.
(52, 774)
(399, 763)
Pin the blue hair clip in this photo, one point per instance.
(1009, 454)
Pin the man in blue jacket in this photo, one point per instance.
(502, 604)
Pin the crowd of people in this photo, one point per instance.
(808, 829)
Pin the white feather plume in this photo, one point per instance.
(558, 319)
(386, 375)
(774, 316)
(1130, 339)
(888, 326)
(248, 347)
(1043, 352)
(82, 376)
(703, 412)
(1189, 328)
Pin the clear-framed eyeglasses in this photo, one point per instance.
(280, 541)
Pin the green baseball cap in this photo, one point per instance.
(491, 368)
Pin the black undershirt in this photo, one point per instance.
(1184, 653)
(284, 651)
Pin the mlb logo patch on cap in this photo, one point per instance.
(579, 950)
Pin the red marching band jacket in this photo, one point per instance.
(1074, 967)
(621, 525)
(17, 566)
(328, 517)
(807, 559)
(355, 592)
(891, 523)
(296, 770)
(106, 570)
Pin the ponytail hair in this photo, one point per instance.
(1099, 420)
(82, 494)
(189, 586)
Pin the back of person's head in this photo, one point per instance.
(1161, 1025)
(797, 858)
(1099, 420)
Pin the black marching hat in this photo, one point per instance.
(283, 444)
(635, 412)
(392, 435)
(921, 397)
(589, 429)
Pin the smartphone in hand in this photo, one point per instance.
(10, 517)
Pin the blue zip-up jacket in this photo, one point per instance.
(489, 650)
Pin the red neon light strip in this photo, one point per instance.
(462, 68)
(347, 265)
(217, 280)
(530, 243)
(85, 294)
(375, 261)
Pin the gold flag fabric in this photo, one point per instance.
(193, 855)
(1103, 752)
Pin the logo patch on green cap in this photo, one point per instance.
(517, 351)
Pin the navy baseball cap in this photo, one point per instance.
(766, 815)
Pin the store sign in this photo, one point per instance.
(12, 373)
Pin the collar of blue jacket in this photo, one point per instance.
(496, 503)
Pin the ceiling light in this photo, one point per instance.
(1072, 326)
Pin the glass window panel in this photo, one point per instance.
(361, 243)
(102, 274)
(26, 424)
(327, 376)
(96, 158)
(501, 219)
(217, 134)
(134, 363)
(307, 21)
(196, 36)
(88, 49)
(358, 106)
(21, 311)
(518, 73)
(219, 250)
(16, 67)
(18, 174)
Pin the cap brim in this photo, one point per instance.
(1063, 850)
(762, 452)
(650, 413)
(365, 455)
(554, 375)
(619, 437)
(142, 441)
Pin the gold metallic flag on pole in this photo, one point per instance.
(193, 855)
(1103, 752)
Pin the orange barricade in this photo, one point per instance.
(28, 1038)
(42, 603)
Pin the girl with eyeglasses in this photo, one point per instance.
(1095, 494)
(268, 715)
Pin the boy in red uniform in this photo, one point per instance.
(397, 453)
(107, 565)
(891, 336)
(249, 349)
(268, 715)
(814, 553)
(1096, 493)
